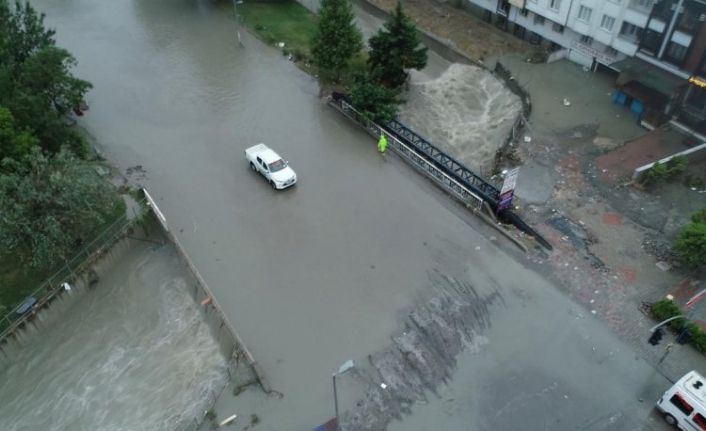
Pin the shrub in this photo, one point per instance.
(698, 337)
(665, 309)
(691, 244)
(666, 171)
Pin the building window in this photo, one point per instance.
(535, 39)
(696, 99)
(585, 13)
(554, 4)
(690, 20)
(630, 32)
(554, 47)
(607, 23)
(523, 12)
(586, 40)
(538, 20)
(611, 51)
(558, 28)
(675, 53)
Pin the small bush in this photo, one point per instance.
(666, 171)
(665, 309)
(677, 165)
(698, 337)
(691, 244)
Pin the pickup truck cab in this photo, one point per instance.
(276, 170)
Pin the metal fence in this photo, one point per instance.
(52, 286)
(412, 156)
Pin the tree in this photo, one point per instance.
(375, 101)
(337, 39)
(14, 143)
(47, 203)
(36, 84)
(396, 50)
(691, 244)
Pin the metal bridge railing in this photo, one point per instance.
(452, 166)
(51, 287)
(416, 158)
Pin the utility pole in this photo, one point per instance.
(237, 21)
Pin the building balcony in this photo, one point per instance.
(644, 6)
(636, 17)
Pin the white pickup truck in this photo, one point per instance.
(275, 169)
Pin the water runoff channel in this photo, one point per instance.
(132, 352)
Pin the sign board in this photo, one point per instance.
(698, 82)
(593, 52)
(508, 189)
(505, 201)
(510, 180)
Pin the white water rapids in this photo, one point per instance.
(130, 354)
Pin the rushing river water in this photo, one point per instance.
(132, 353)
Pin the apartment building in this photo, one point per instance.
(656, 48)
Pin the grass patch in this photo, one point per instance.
(282, 21)
(16, 283)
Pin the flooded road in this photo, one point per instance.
(311, 276)
(132, 353)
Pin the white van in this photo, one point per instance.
(684, 404)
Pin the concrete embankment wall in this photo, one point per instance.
(243, 367)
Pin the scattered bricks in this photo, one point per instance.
(612, 219)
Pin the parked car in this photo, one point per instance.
(274, 168)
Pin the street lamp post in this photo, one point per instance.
(342, 369)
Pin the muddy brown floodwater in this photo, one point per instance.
(312, 276)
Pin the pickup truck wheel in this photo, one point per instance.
(670, 419)
(272, 183)
(252, 166)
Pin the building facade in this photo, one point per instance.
(656, 47)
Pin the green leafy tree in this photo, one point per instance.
(47, 203)
(36, 84)
(375, 101)
(337, 39)
(396, 49)
(691, 244)
(14, 143)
